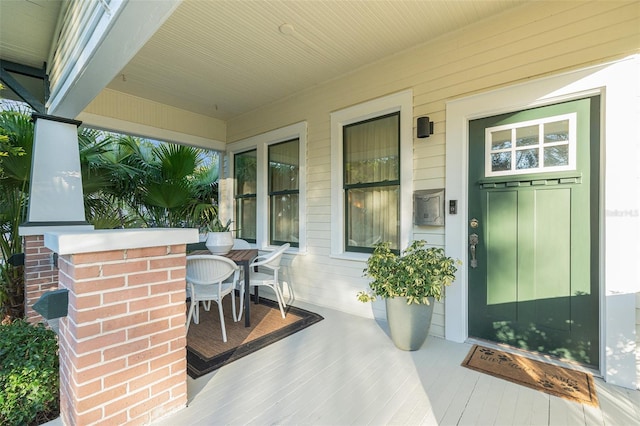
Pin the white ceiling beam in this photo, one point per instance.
(119, 35)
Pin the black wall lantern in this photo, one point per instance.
(424, 127)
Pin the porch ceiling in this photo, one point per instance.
(223, 58)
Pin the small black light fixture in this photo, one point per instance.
(424, 127)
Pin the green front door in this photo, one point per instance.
(533, 229)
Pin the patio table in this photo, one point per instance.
(242, 258)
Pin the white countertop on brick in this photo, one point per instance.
(83, 241)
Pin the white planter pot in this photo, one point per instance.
(219, 242)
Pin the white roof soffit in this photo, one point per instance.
(102, 45)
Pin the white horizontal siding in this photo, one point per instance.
(141, 114)
(530, 41)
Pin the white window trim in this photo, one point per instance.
(261, 143)
(402, 102)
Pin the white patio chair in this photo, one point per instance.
(270, 262)
(240, 244)
(205, 283)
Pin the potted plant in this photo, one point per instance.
(409, 283)
(219, 237)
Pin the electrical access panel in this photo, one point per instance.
(428, 207)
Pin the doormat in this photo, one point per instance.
(207, 352)
(552, 379)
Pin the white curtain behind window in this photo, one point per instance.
(283, 192)
(371, 151)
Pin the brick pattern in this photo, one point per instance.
(123, 343)
(40, 274)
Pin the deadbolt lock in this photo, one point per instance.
(474, 223)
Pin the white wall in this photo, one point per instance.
(531, 41)
(535, 40)
(120, 112)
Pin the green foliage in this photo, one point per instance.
(216, 225)
(29, 377)
(127, 182)
(11, 291)
(166, 185)
(16, 139)
(17, 128)
(417, 274)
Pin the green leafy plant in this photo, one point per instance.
(29, 377)
(16, 137)
(127, 182)
(417, 273)
(216, 225)
(164, 185)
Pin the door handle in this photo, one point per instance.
(473, 242)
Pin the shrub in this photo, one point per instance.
(29, 377)
(417, 274)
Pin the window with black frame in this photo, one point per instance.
(371, 182)
(245, 173)
(284, 169)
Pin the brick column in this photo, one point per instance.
(123, 343)
(40, 274)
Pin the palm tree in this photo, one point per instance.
(154, 184)
(15, 167)
(126, 182)
(178, 189)
(104, 172)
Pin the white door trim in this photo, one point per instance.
(619, 85)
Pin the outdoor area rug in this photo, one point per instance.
(207, 352)
(555, 380)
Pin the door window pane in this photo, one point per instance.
(557, 131)
(527, 159)
(501, 161)
(501, 140)
(526, 136)
(556, 155)
(519, 147)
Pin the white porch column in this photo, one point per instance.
(55, 191)
(55, 202)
